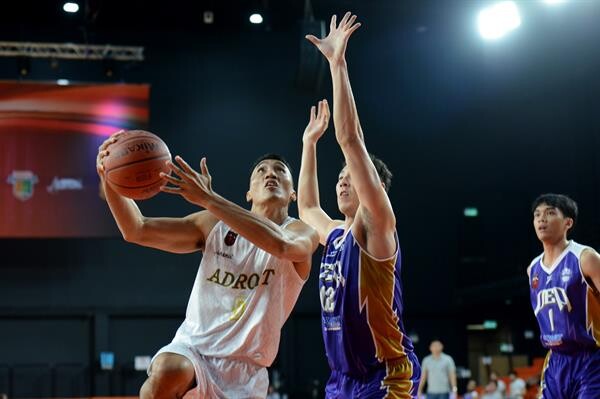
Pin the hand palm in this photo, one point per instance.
(319, 121)
(333, 47)
(315, 129)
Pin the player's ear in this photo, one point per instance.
(569, 223)
(248, 196)
(293, 196)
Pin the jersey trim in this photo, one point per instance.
(551, 268)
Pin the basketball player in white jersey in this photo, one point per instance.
(253, 267)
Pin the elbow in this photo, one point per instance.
(349, 140)
(289, 251)
(130, 237)
(133, 234)
(282, 249)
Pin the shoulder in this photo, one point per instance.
(535, 260)
(533, 263)
(589, 254)
(299, 227)
(590, 261)
(335, 228)
(580, 250)
(448, 359)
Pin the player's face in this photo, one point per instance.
(550, 224)
(347, 198)
(270, 181)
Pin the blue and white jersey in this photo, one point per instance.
(566, 306)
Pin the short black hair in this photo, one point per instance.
(384, 173)
(567, 206)
(274, 156)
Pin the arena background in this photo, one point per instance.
(461, 122)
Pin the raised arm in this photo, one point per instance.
(296, 242)
(309, 205)
(375, 209)
(178, 235)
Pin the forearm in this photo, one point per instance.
(261, 231)
(453, 381)
(308, 183)
(422, 384)
(125, 212)
(345, 114)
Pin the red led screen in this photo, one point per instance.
(49, 138)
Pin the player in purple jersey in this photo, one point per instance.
(361, 295)
(564, 282)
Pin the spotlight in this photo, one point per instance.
(498, 19)
(208, 17)
(256, 18)
(62, 82)
(71, 7)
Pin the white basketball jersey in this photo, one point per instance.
(241, 298)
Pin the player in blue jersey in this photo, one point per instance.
(367, 348)
(564, 282)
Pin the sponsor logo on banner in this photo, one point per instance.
(64, 183)
(23, 182)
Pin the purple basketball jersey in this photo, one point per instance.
(564, 304)
(361, 307)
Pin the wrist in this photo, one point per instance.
(211, 202)
(309, 142)
(337, 62)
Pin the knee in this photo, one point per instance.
(170, 377)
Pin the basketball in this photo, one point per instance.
(133, 164)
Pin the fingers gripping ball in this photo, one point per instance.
(134, 162)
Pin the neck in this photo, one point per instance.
(348, 222)
(274, 214)
(553, 249)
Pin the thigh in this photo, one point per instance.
(399, 379)
(588, 386)
(555, 378)
(402, 377)
(229, 378)
(339, 386)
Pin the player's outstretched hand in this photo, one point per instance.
(333, 47)
(318, 123)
